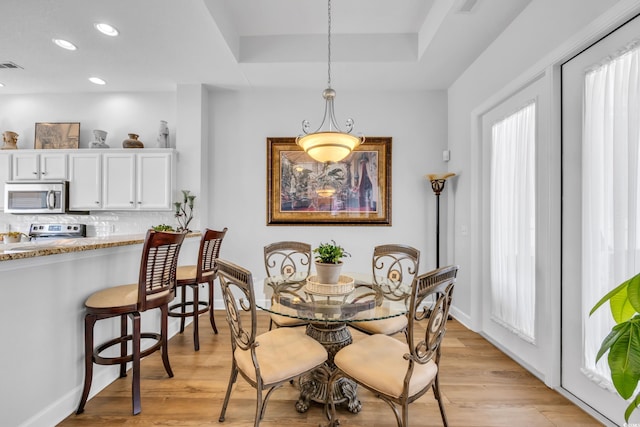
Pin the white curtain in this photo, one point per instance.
(610, 178)
(513, 215)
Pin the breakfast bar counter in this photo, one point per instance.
(10, 251)
(44, 285)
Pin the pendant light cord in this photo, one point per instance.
(329, 45)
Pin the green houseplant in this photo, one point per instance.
(328, 260)
(623, 342)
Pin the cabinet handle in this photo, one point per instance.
(44, 173)
(130, 203)
(139, 203)
(97, 203)
(35, 173)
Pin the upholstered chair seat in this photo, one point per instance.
(377, 362)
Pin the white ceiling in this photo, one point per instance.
(385, 44)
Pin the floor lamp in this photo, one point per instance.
(437, 185)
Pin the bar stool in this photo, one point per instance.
(191, 276)
(155, 289)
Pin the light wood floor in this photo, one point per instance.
(481, 387)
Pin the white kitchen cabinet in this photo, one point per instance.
(32, 166)
(137, 181)
(154, 177)
(85, 181)
(119, 181)
(5, 174)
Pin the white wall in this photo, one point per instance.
(242, 121)
(541, 27)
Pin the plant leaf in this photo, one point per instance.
(611, 339)
(608, 296)
(632, 406)
(620, 305)
(633, 292)
(624, 359)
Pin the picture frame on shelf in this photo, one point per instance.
(64, 135)
(354, 191)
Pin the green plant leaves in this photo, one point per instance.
(623, 342)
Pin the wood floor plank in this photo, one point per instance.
(481, 387)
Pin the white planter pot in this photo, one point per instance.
(328, 273)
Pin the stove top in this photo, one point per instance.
(57, 230)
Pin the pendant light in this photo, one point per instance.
(328, 143)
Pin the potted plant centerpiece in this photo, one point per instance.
(328, 260)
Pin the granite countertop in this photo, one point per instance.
(38, 248)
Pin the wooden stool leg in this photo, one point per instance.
(183, 299)
(135, 382)
(211, 319)
(89, 322)
(123, 344)
(196, 309)
(164, 316)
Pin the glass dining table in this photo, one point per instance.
(329, 309)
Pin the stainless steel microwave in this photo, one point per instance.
(36, 197)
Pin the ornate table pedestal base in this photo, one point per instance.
(313, 386)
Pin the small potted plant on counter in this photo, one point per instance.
(328, 260)
(12, 236)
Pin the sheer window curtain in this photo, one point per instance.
(610, 178)
(513, 215)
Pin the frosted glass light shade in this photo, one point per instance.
(328, 146)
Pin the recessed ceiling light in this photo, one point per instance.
(1, 84)
(64, 44)
(106, 29)
(97, 81)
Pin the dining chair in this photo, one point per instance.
(155, 289)
(268, 360)
(287, 259)
(400, 372)
(191, 276)
(392, 265)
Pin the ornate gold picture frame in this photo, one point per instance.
(354, 191)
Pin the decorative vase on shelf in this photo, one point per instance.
(99, 138)
(328, 273)
(163, 135)
(10, 140)
(132, 142)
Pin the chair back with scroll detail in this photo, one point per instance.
(398, 372)
(391, 265)
(268, 360)
(287, 259)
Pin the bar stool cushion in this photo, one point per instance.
(189, 272)
(282, 353)
(377, 362)
(119, 296)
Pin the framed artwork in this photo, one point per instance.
(354, 191)
(57, 135)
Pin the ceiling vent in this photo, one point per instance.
(467, 6)
(9, 64)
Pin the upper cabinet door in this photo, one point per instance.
(118, 188)
(154, 177)
(85, 181)
(36, 166)
(53, 166)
